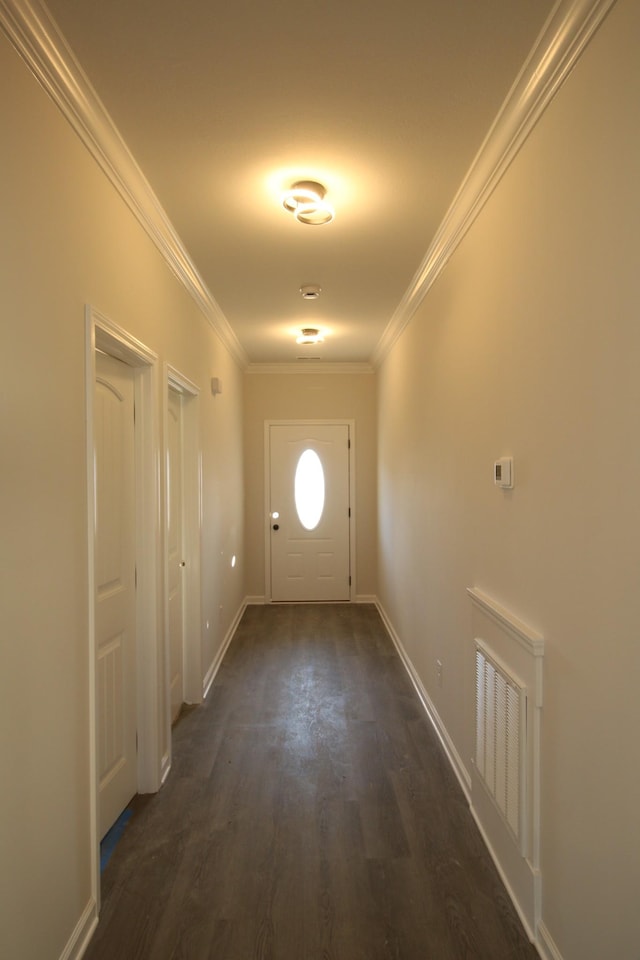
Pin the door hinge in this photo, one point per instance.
(349, 511)
(349, 444)
(135, 577)
(349, 581)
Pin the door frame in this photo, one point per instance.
(102, 334)
(192, 540)
(351, 424)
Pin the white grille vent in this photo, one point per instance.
(501, 728)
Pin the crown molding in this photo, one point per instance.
(562, 41)
(308, 366)
(571, 25)
(31, 29)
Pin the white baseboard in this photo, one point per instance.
(503, 876)
(461, 772)
(81, 936)
(165, 768)
(215, 666)
(545, 945)
(259, 601)
(540, 938)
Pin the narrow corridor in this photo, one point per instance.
(310, 814)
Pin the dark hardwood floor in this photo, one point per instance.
(310, 814)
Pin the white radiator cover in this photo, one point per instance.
(507, 715)
(501, 740)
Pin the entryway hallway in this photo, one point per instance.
(310, 814)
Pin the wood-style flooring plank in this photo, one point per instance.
(310, 814)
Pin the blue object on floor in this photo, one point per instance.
(111, 838)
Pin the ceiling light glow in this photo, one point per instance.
(301, 193)
(306, 201)
(310, 335)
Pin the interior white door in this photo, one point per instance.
(309, 511)
(175, 548)
(115, 604)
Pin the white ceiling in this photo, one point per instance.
(225, 105)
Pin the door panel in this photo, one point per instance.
(309, 564)
(175, 550)
(115, 608)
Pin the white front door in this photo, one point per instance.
(175, 550)
(309, 511)
(115, 601)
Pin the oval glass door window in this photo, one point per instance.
(309, 489)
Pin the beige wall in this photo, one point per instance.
(67, 239)
(529, 345)
(274, 396)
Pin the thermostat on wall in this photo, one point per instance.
(503, 472)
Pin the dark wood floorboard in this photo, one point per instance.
(310, 814)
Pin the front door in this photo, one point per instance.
(115, 601)
(175, 548)
(309, 511)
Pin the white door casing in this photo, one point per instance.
(191, 516)
(115, 601)
(308, 564)
(176, 563)
(102, 335)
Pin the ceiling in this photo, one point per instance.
(225, 105)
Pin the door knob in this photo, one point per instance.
(276, 526)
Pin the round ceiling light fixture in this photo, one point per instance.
(310, 335)
(314, 214)
(306, 201)
(301, 193)
(310, 291)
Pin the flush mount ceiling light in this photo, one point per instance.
(310, 291)
(306, 201)
(310, 335)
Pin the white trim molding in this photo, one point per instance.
(211, 673)
(529, 639)
(177, 381)
(308, 366)
(35, 35)
(38, 39)
(191, 456)
(563, 39)
(102, 334)
(457, 765)
(81, 936)
(545, 944)
(520, 649)
(531, 643)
